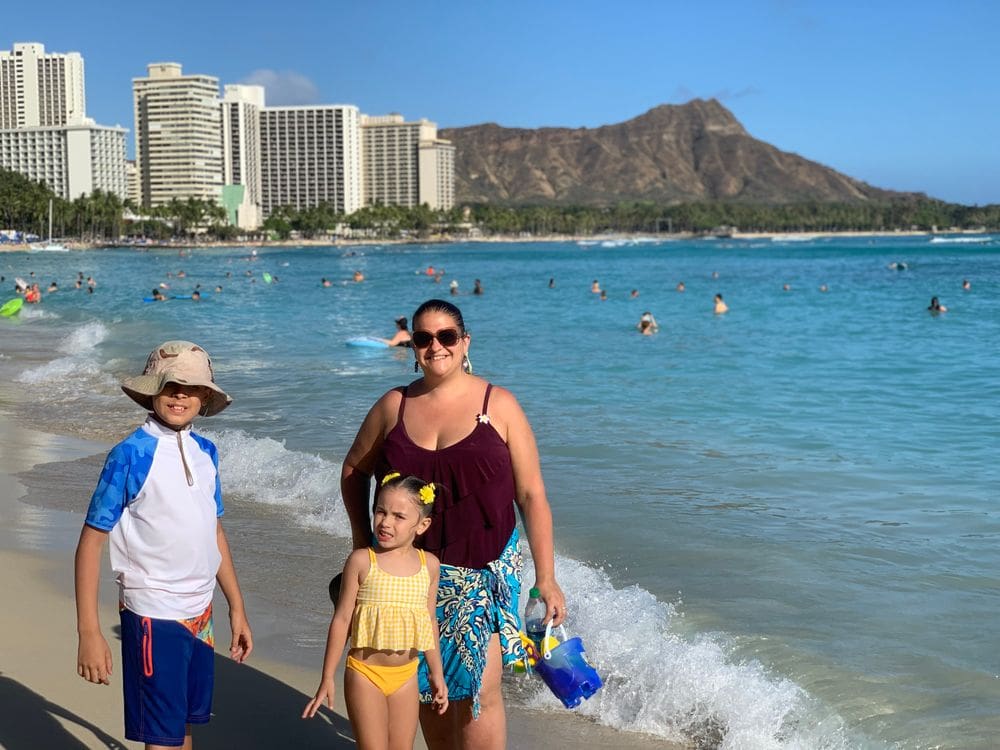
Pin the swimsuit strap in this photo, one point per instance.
(371, 557)
(486, 398)
(423, 558)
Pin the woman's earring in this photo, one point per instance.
(466, 364)
(416, 366)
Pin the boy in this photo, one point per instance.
(159, 500)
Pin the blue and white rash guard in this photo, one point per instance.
(159, 497)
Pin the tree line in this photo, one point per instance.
(104, 217)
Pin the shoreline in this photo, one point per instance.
(501, 238)
(257, 704)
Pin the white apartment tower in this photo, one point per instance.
(406, 164)
(437, 174)
(39, 89)
(178, 123)
(71, 160)
(241, 192)
(44, 131)
(311, 156)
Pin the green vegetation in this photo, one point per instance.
(103, 217)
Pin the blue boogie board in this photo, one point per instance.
(368, 342)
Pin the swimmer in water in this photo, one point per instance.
(720, 306)
(936, 307)
(402, 335)
(647, 324)
(595, 287)
(680, 286)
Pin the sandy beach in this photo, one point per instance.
(257, 704)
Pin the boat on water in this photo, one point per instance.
(48, 246)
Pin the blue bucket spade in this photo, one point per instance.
(566, 671)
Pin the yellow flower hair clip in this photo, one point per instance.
(427, 493)
(389, 477)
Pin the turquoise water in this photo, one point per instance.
(778, 527)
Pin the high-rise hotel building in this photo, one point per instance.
(44, 131)
(311, 155)
(39, 89)
(241, 191)
(406, 164)
(178, 148)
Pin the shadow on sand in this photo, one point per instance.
(30, 721)
(250, 709)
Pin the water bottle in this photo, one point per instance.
(534, 613)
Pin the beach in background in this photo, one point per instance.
(775, 528)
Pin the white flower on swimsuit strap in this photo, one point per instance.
(483, 418)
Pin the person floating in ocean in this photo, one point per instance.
(595, 287)
(786, 287)
(966, 285)
(358, 276)
(552, 282)
(325, 282)
(477, 287)
(647, 323)
(195, 295)
(33, 294)
(429, 271)
(680, 286)
(604, 296)
(634, 293)
(824, 288)
(157, 295)
(53, 287)
(402, 335)
(159, 502)
(720, 306)
(453, 287)
(424, 429)
(386, 607)
(936, 307)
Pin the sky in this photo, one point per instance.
(902, 95)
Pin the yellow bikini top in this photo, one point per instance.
(391, 612)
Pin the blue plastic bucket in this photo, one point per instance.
(568, 674)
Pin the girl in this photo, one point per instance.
(387, 602)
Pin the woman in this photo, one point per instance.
(402, 335)
(474, 442)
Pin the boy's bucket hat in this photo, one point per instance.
(178, 362)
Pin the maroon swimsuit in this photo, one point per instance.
(473, 508)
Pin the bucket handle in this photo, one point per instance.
(546, 651)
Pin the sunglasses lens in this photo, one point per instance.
(421, 339)
(448, 337)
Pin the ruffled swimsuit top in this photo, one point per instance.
(391, 612)
(473, 515)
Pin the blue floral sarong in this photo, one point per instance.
(472, 604)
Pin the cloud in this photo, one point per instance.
(683, 94)
(725, 95)
(284, 87)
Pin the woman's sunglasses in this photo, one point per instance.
(445, 337)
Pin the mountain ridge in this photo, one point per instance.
(672, 153)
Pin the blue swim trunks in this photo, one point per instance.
(168, 671)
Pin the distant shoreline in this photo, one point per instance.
(499, 238)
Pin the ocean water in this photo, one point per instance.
(777, 528)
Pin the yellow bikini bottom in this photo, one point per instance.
(386, 679)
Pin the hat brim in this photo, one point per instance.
(143, 388)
